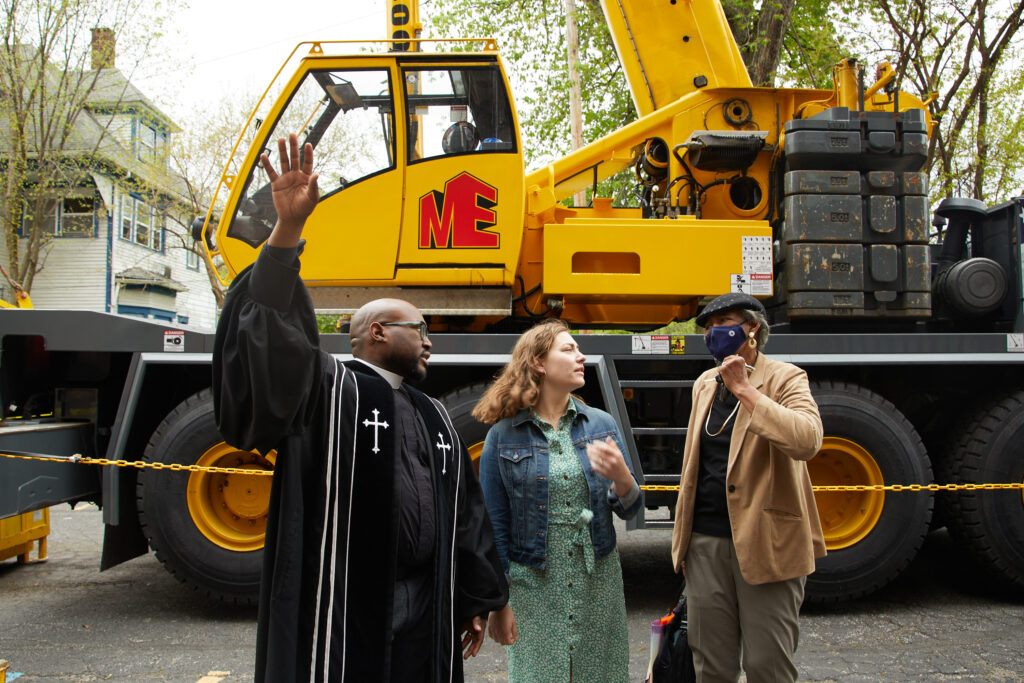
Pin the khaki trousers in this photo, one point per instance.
(731, 621)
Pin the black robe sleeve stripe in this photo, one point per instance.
(480, 586)
(348, 515)
(453, 439)
(321, 643)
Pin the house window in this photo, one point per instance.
(46, 225)
(77, 216)
(143, 221)
(156, 239)
(147, 312)
(192, 259)
(127, 217)
(146, 141)
(141, 224)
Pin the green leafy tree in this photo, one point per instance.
(786, 41)
(966, 55)
(531, 38)
(197, 158)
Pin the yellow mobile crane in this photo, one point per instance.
(812, 199)
(434, 205)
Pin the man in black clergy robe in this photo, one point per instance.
(379, 555)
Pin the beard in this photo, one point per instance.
(410, 368)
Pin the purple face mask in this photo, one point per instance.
(724, 340)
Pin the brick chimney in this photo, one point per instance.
(103, 52)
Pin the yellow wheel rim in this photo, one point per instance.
(847, 517)
(475, 451)
(231, 509)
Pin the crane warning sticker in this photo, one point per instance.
(755, 284)
(757, 255)
(174, 340)
(650, 343)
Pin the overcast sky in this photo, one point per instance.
(235, 46)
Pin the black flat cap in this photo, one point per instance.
(730, 302)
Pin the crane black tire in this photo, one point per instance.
(991, 522)
(186, 433)
(852, 412)
(459, 404)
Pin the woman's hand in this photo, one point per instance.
(501, 626)
(608, 461)
(734, 373)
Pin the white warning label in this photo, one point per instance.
(754, 284)
(650, 343)
(757, 255)
(174, 340)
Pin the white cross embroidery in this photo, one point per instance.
(375, 425)
(445, 447)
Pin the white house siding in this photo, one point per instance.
(73, 274)
(198, 302)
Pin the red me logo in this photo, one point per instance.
(459, 217)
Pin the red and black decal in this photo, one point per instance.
(459, 217)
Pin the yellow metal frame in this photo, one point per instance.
(644, 259)
(19, 533)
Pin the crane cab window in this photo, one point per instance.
(457, 111)
(347, 116)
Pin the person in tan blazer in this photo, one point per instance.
(746, 531)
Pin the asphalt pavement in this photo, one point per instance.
(64, 620)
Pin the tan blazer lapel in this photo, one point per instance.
(702, 404)
(739, 430)
(705, 395)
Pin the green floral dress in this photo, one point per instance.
(571, 616)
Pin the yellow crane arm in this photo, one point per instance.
(672, 49)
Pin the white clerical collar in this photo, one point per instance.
(393, 378)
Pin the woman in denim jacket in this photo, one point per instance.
(552, 472)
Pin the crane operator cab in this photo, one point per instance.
(421, 179)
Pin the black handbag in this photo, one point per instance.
(674, 661)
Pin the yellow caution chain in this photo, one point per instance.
(138, 464)
(174, 467)
(883, 487)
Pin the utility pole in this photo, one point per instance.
(575, 104)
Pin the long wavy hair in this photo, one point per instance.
(518, 384)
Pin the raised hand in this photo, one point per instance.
(295, 191)
(607, 460)
(735, 374)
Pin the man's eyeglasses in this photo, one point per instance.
(421, 324)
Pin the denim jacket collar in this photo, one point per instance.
(582, 410)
